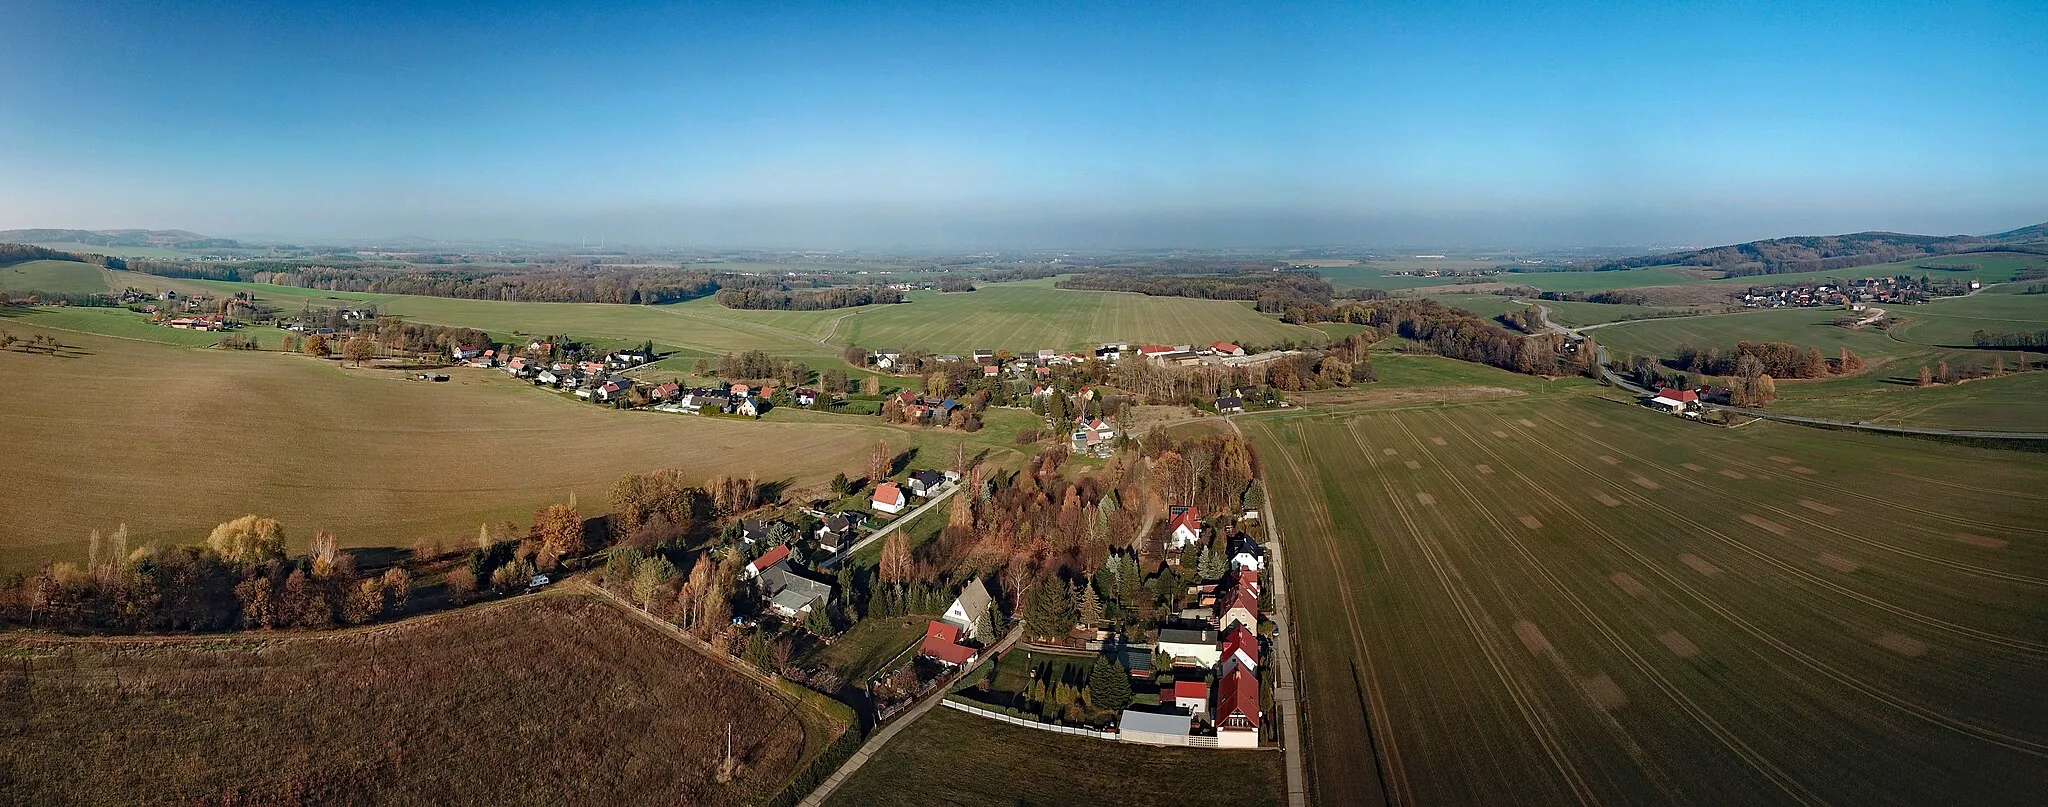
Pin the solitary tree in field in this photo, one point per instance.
(1926, 378)
(878, 463)
(316, 346)
(249, 539)
(358, 350)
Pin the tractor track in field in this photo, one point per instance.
(1541, 723)
(1398, 787)
(1993, 736)
(2023, 645)
(1701, 716)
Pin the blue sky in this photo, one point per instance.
(872, 125)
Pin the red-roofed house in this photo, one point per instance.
(668, 391)
(942, 642)
(1239, 607)
(1676, 400)
(767, 559)
(1226, 349)
(1092, 434)
(1237, 710)
(889, 498)
(1154, 350)
(1184, 526)
(1192, 696)
(1240, 649)
(990, 371)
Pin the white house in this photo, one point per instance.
(968, 608)
(1184, 527)
(1676, 400)
(1237, 709)
(889, 498)
(1196, 648)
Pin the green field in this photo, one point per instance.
(1607, 281)
(1027, 315)
(515, 702)
(122, 252)
(125, 324)
(1562, 598)
(951, 757)
(70, 277)
(1019, 316)
(172, 441)
(1561, 312)
(2008, 403)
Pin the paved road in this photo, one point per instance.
(874, 744)
(1285, 684)
(906, 518)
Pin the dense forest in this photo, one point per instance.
(16, 253)
(1460, 334)
(1807, 253)
(780, 299)
(2023, 339)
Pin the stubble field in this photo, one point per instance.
(1562, 598)
(542, 700)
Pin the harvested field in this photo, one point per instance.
(1531, 522)
(1483, 469)
(1818, 507)
(1837, 562)
(1764, 523)
(951, 757)
(1776, 673)
(1694, 466)
(1647, 482)
(1986, 542)
(1413, 465)
(429, 711)
(1733, 474)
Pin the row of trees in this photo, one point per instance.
(1275, 292)
(1751, 359)
(783, 299)
(564, 282)
(2019, 339)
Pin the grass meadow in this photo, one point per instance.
(1561, 598)
(70, 277)
(548, 699)
(173, 440)
(951, 757)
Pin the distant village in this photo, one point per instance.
(1856, 294)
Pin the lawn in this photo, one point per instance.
(951, 757)
(867, 647)
(172, 441)
(70, 277)
(1559, 598)
(510, 703)
(126, 324)
(2012, 402)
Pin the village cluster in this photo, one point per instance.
(1855, 295)
(1196, 675)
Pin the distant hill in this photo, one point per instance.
(1823, 252)
(167, 239)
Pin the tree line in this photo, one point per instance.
(1273, 291)
(2019, 339)
(783, 299)
(1778, 359)
(578, 282)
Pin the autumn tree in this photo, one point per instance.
(878, 463)
(248, 540)
(560, 531)
(637, 498)
(316, 346)
(358, 350)
(1926, 378)
(397, 588)
(896, 564)
(1944, 372)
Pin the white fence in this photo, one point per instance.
(1031, 724)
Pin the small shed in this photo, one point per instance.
(1155, 728)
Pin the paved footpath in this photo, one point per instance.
(874, 744)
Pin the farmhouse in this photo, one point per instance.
(1237, 709)
(1225, 349)
(1229, 405)
(1676, 400)
(888, 498)
(942, 644)
(1154, 728)
(1190, 647)
(968, 608)
(887, 357)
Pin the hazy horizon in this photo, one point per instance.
(939, 127)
